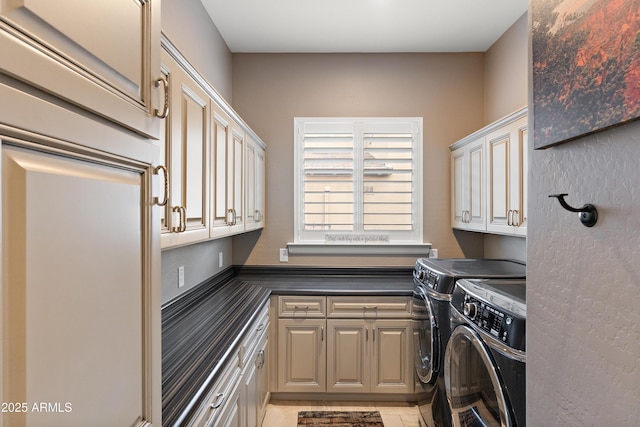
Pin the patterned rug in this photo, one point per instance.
(339, 419)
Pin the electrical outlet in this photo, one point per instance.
(220, 259)
(433, 253)
(181, 276)
(284, 255)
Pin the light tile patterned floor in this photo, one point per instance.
(394, 414)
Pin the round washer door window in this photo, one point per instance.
(472, 383)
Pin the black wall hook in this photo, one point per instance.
(588, 214)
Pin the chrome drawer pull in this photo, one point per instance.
(218, 402)
(306, 307)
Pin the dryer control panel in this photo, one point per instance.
(506, 326)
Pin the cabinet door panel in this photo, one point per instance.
(301, 355)
(76, 285)
(392, 371)
(459, 184)
(53, 48)
(185, 153)
(476, 216)
(348, 356)
(499, 183)
(521, 180)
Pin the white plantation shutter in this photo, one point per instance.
(358, 180)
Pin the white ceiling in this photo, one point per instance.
(363, 25)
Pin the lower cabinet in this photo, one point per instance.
(359, 345)
(369, 356)
(240, 397)
(302, 357)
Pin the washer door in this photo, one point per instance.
(427, 349)
(472, 383)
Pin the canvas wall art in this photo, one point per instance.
(586, 67)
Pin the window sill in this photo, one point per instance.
(419, 249)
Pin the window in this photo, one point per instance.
(358, 180)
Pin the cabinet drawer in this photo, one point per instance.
(368, 307)
(254, 335)
(211, 410)
(302, 306)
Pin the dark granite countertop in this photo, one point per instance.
(336, 281)
(202, 328)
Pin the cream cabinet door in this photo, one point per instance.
(392, 358)
(186, 144)
(103, 56)
(263, 387)
(80, 312)
(255, 185)
(507, 150)
(228, 143)
(301, 355)
(467, 187)
(348, 356)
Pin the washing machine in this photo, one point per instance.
(434, 281)
(485, 358)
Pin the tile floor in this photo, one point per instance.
(394, 414)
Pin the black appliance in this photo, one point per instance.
(485, 359)
(434, 280)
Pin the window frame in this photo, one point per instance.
(402, 242)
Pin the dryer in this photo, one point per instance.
(485, 358)
(434, 281)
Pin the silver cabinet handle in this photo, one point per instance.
(165, 174)
(232, 217)
(304, 307)
(260, 327)
(165, 108)
(367, 334)
(509, 215)
(260, 359)
(373, 330)
(257, 215)
(375, 307)
(321, 333)
(517, 221)
(218, 402)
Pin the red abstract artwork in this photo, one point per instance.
(586, 67)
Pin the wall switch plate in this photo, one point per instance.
(433, 253)
(181, 276)
(220, 259)
(284, 255)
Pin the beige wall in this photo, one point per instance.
(188, 26)
(271, 89)
(506, 70)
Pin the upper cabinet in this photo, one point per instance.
(489, 178)
(100, 56)
(213, 164)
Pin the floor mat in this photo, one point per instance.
(339, 419)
